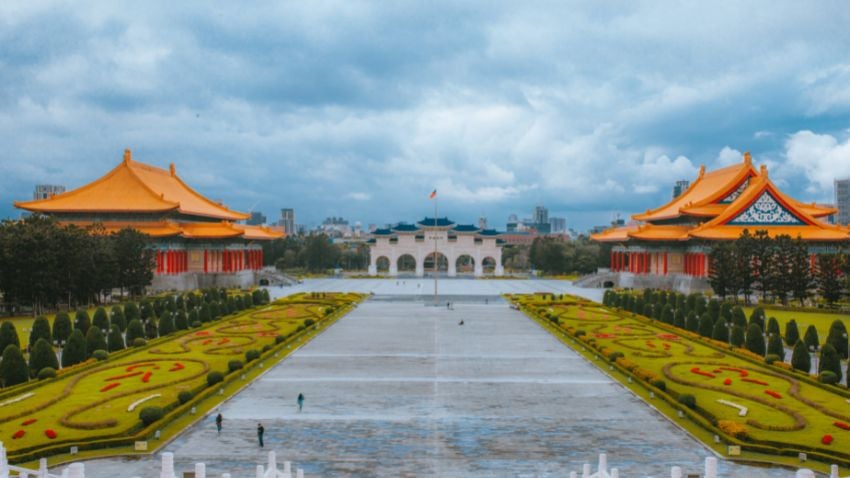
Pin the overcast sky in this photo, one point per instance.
(360, 109)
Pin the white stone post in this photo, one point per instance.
(287, 469)
(603, 463)
(573, 474)
(261, 472)
(167, 465)
(271, 470)
(676, 472)
(585, 470)
(299, 473)
(615, 473)
(42, 468)
(805, 473)
(226, 475)
(394, 268)
(200, 470)
(77, 470)
(833, 471)
(452, 266)
(4, 464)
(711, 467)
(420, 264)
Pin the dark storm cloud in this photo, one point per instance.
(361, 108)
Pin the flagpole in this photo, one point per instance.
(436, 262)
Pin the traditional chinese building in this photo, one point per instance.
(668, 247)
(198, 242)
(457, 249)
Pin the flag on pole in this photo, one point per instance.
(433, 194)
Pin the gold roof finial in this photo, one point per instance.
(173, 171)
(763, 170)
(127, 155)
(701, 170)
(748, 160)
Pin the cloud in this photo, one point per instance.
(822, 158)
(728, 156)
(359, 196)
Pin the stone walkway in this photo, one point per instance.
(398, 388)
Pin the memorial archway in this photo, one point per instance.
(488, 265)
(383, 264)
(406, 263)
(442, 262)
(465, 264)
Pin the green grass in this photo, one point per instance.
(78, 406)
(798, 420)
(821, 320)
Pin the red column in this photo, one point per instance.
(702, 265)
(687, 263)
(665, 263)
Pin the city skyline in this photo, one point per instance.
(360, 110)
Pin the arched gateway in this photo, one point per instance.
(458, 247)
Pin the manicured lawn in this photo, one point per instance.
(784, 410)
(95, 401)
(820, 320)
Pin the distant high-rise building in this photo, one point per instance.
(256, 219)
(45, 191)
(287, 220)
(482, 222)
(842, 201)
(557, 225)
(513, 222)
(681, 186)
(541, 220)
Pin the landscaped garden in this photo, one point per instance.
(708, 386)
(132, 393)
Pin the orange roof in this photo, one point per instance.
(618, 234)
(708, 188)
(259, 232)
(153, 229)
(209, 230)
(189, 230)
(652, 232)
(134, 187)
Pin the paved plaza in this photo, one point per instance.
(398, 388)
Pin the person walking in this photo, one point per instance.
(218, 420)
(300, 402)
(260, 431)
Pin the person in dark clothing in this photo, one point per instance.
(300, 401)
(218, 420)
(461, 322)
(260, 431)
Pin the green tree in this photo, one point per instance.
(800, 359)
(680, 317)
(706, 325)
(82, 321)
(135, 330)
(9, 336)
(726, 312)
(115, 340)
(764, 253)
(193, 317)
(117, 318)
(131, 311)
(775, 346)
(758, 317)
(319, 253)
(720, 331)
(722, 273)
(95, 341)
(667, 314)
(166, 324)
(792, 334)
(40, 330)
(151, 328)
(738, 336)
(13, 367)
(811, 338)
(75, 351)
(181, 321)
(147, 310)
(837, 337)
(773, 326)
(100, 319)
(135, 260)
(755, 339)
(61, 327)
(714, 309)
(829, 360)
(692, 322)
(829, 277)
(781, 265)
(738, 317)
(744, 270)
(42, 355)
(801, 276)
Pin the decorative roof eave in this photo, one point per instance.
(808, 233)
(258, 233)
(489, 233)
(649, 232)
(619, 234)
(439, 223)
(221, 230)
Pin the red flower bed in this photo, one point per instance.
(203, 332)
(109, 387)
(697, 371)
(121, 377)
(741, 372)
(755, 381)
(773, 394)
(177, 366)
(19, 434)
(826, 440)
(147, 364)
(50, 433)
(666, 346)
(29, 422)
(728, 381)
(668, 337)
(146, 377)
(206, 342)
(650, 345)
(223, 341)
(598, 336)
(842, 425)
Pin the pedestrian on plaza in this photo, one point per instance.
(300, 402)
(260, 431)
(218, 420)
(461, 322)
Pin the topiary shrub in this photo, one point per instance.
(266, 348)
(579, 333)
(659, 384)
(196, 324)
(613, 356)
(234, 365)
(299, 328)
(828, 377)
(772, 358)
(100, 355)
(46, 372)
(139, 342)
(149, 415)
(252, 354)
(279, 339)
(688, 400)
(185, 396)
(309, 322)
(214, 378)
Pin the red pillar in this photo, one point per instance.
(687, 263)
(665, 263)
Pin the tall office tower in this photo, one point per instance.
(287, 220)
(842, 201)
(681, 186)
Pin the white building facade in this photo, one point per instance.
(459, 249)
